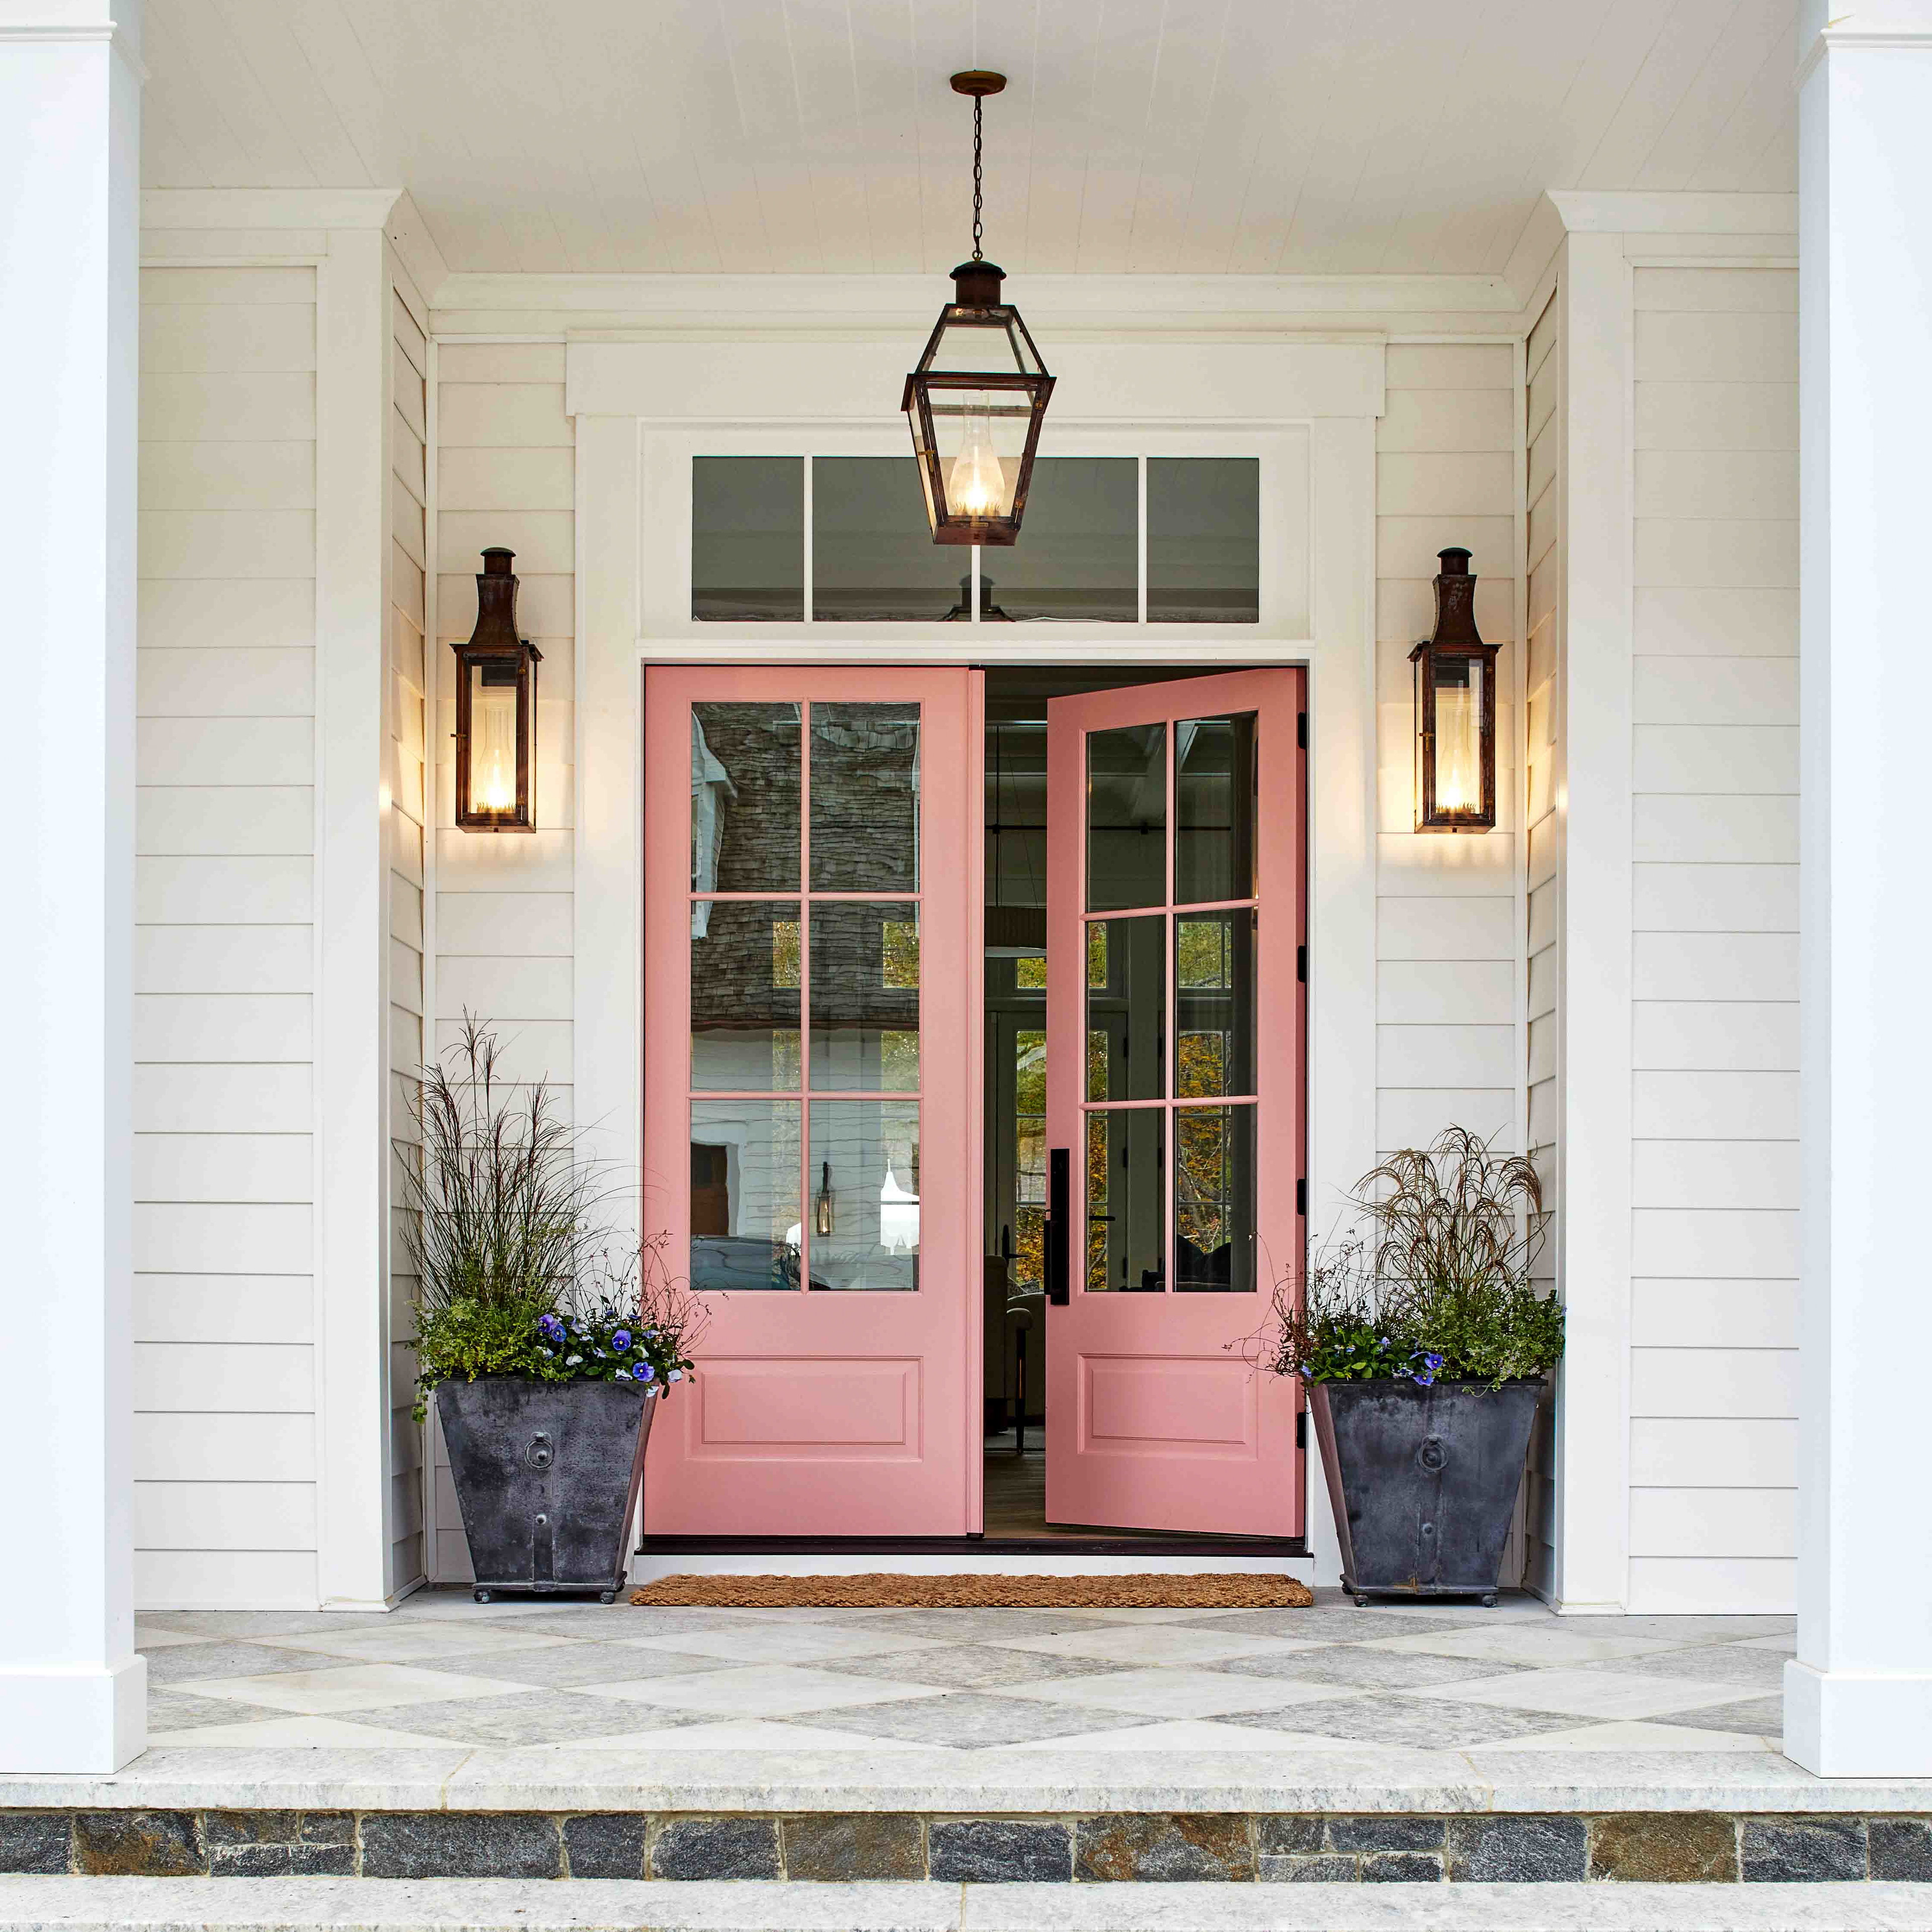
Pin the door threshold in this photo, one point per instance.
(1289, 1547)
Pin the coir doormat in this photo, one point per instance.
(883, 1591)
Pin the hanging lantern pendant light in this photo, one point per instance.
(975, 401)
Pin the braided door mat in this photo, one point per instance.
(883, 1591)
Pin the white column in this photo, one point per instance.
(72, 1694)
(1859, 1699)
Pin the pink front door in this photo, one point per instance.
(1174, 1023)
(810, 1127)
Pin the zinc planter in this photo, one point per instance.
(548, 1475)
(1423, 1481)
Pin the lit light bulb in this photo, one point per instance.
(977, 484)
(1458, 774)
(493, 786)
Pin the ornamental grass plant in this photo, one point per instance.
(1431, 1280)
(521, 1269)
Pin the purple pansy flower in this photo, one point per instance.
(621, 1340)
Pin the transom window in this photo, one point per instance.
(1115, 540)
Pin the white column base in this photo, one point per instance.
(81, 1720)
(1843, 1723)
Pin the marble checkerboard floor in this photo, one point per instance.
(444, 1672)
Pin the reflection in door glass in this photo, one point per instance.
(865, 996)
(744, 800)
(1126, 1013)
(1126, 1234)
(865, 798)
(863, 1216)
(1028, 1271)
(744, 1194)
(1214, 1004)
(1126, 818)
(744, 995)
(1214, 1199)
(1214, 807)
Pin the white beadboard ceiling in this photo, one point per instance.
(1194, 136)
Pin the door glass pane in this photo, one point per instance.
(865, 798)
(873, 558)
(1204, 540)
(1214, 1199)
(1214, 1004)
(863, 1214)
(865, 996)
(745, 988)
(1126, 818)
(744, 1224)
(747, 539)
(1214, 806)
(744, 798)
(1028, 1270)
(1078, 559)
(1126, 1012)
(1126, 1237)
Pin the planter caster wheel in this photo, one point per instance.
(607, 1596)
(481, 1596)
(1361, 1601)
(1490, 1600)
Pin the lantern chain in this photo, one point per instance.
(979, 228)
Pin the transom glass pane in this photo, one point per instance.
(1214, 806)
(1214, 1004)
(1214, 1199)
(745, 1228)
(862, 1166)
(1126, 1234)
(1079, 560)
(1126, 818)
(1204, 540)
(745, 984)
(1126, 1014)
(865, 996)
(745, 790)
(747, 539)
(865, 798)
(873, 558)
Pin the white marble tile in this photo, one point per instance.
(781, 1643)
(303, 1733)
(458, 1605)
(1153, 1643)
(410, 1643)
(1629, 1734)
(354, 1686)
(1542, 1645)
(1603, 1694)
(757, 1691)
(1183, 1734)
(753, 1734)
(1178, 1692)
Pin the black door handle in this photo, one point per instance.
(1059, 1225)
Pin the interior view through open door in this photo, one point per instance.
(1174, 1118)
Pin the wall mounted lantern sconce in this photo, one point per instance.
(977, 400)
(496, 710)
(1455, 710)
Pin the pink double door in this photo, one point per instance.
(812, 1104)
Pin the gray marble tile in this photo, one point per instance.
(197, 1663)
(970, 1719)
(1336, 1625)
(1757, 1717)
(182, 1711)
(1707, 1662)
(1365, 1670)
(524, 1718)
(979, 1626)
(1430, 1723)
(564, 1665)
(618, 1622)
(966, 1666)
(233, 1625)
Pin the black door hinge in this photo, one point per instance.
(1301, 1199)
(1301, 963)
(1301, 730)
(1301, 1428)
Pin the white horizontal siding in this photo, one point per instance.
(224, 943)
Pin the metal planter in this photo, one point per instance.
(548, 1475)
(1423, 1481)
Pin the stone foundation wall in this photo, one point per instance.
(1653, 1847)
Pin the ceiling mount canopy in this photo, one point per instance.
(976, 400)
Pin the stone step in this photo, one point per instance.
(31, 1904)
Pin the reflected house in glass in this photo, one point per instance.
(791, 992)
